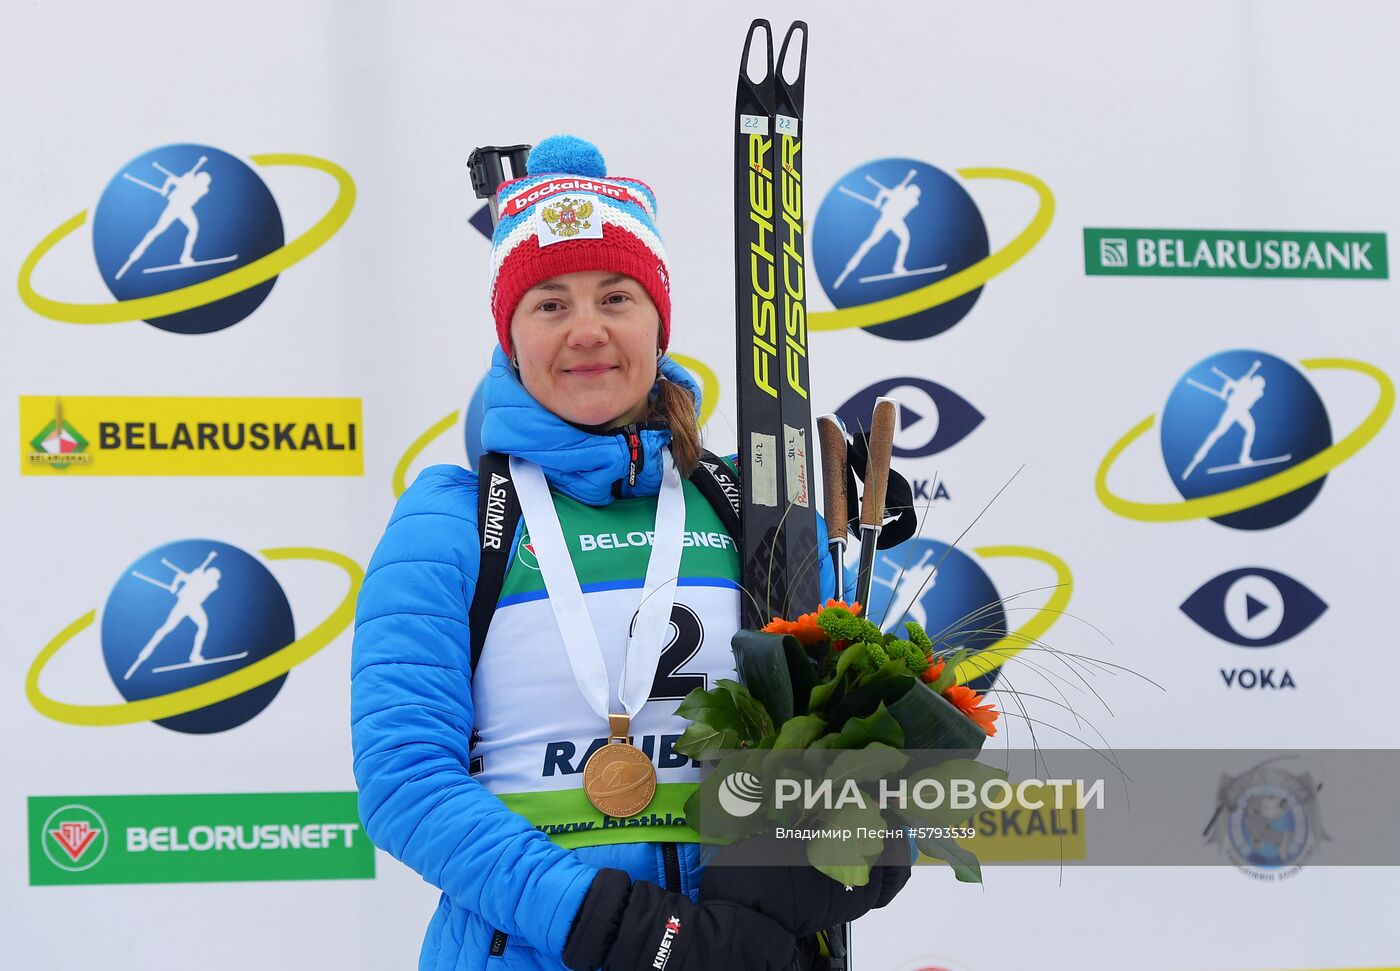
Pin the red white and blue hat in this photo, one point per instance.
(567, 216)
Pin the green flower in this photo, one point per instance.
(917, 635)
(842, 625)
(913, 656)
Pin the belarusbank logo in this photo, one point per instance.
(1235, 252)
(197, 838)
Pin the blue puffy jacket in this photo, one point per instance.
(509, 893)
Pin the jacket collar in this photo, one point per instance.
(590, 467)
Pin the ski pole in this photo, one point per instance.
(877, 472)
(832, 435)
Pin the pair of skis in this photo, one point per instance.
(779, 555)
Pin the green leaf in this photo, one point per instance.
(847, 859)
(703, 742)
(754, 721)
(931, 721)
(863, 699)
(800, 732)
(762, 663)
(716, 723)
(964, 862)
(875, 761)
(707, 815)
(802, 672)
(879, 726)
(822, 693)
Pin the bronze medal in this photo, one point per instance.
(619, 779)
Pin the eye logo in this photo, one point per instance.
(188, 238)
(931, 417)
(1246, 440)
(900, 247)
(1254, 607)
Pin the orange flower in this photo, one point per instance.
(805, 628)
(932, 672)
(969, 703)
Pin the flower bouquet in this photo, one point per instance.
(832, 702)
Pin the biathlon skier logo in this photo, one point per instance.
(180, 215)
(188, 238)
(197, 636)
(1253, 607)
(1246, 440)
(893, 231)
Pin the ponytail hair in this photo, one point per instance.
(675, 405)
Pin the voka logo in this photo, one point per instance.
(949, 594)
(931, 417)
(1234, 252)
(197, 636)
(901, 249)
(1253, 607)
(1246, 440)
(74, 838)
(188, 238)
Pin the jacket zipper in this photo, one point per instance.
(671, 857)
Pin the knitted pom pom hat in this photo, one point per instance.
(567, 216)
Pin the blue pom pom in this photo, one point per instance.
(567, 155)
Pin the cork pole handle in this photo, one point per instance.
(832, 436)
(877, 469)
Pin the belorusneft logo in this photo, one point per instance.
(128, 435)
(1235, 252)
(197, 838)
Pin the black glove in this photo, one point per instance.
(793, 892)
(626, 926)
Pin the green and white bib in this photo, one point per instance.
(534, 728)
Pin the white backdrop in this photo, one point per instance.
(1197, 115)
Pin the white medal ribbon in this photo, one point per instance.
(645, 642)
